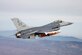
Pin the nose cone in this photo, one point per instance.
(63, 23)
(70, 23)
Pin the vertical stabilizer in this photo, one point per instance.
(19, 24)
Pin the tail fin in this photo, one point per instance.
(19, 24)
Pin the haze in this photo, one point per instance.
(41, 12)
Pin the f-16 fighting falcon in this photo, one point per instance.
(27, 32)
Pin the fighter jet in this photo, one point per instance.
(27, 32)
